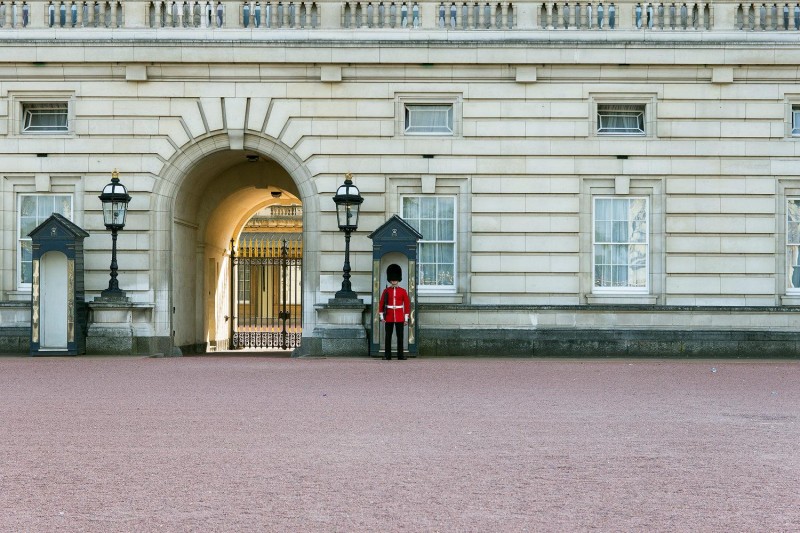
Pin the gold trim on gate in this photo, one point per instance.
(376, 297)
(35, 303)
(71, 300)
(412, 289)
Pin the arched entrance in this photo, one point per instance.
(208, 193)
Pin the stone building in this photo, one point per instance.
(588, 177)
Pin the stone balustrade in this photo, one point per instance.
(401, 15)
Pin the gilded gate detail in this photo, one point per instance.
(266, 294)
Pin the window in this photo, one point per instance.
(45, 117)
(793, 243)
(434, 218)
(429, 119)
(33, 210)
(620, 119)
(620, 242)
(796, 120)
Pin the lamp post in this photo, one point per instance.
(348, 201)
(115, 200)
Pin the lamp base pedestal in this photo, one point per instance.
(340, 330)
(118, 326)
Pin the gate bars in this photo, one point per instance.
(266, 294)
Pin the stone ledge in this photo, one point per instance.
(609, 343)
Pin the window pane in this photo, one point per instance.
(434, 219)
(429, 118)
(793, 267)
(621, 263)
(35, 209)
(603, 209)
(601, 254)
(45, 117)
(445, 276)
(793, 221)
(411, 208)
(26, 226)
(638, 232)
(619, 254)
(445, 253)
(793, 233)
(428, 274)
(620, 119)
(620, 231)
(427, 253)
(428, 230)
(45, 208)
(446, 209)
(638, 209)
(445, 230)
(63, 206)
(28, 206)
(602, 231)
(795, 120)
(427, 208)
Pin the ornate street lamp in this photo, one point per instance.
(115, 200)
(348, 201)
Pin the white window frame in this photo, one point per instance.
(428, 288)
(624, 289)
(411, 129)
(794, 123)
(621, 109)
(403, 101)
(792, 248)
(27, 112)
(19, 100)
(20, 284)
(647, 101)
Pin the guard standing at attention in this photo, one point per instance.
(394, 309)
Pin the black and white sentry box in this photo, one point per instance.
(394, 242)
(58, 304)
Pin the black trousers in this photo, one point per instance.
(396, 326)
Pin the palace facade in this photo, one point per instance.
(590, 178)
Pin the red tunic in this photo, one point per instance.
(395, 305)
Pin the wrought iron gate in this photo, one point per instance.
(266, 294)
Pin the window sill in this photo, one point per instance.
(790, 300)
(19, 295)
(634, 299)
(441, 298)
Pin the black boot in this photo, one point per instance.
(402, 357)
(387, 357)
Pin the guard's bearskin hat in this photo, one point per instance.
(394, 273)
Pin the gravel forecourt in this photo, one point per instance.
(266, 443)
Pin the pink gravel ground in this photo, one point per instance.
(231, 443)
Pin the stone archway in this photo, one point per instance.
(206, 193)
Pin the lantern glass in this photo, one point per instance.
(114, 213)
(348, 202)
(115, 200)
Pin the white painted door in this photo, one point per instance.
(53, 306)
